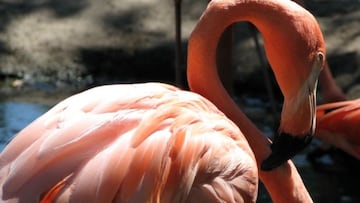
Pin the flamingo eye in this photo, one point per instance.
(321, 59)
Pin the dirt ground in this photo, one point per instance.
(57, 44)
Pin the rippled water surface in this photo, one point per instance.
(323, 186)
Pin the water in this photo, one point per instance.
(329, 187)
(14, 116)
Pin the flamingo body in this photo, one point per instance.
(147, 143)
(338, 123)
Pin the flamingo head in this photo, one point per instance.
(296, 52)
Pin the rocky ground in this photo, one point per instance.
(66, 45)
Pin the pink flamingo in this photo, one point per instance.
(156, 143)
(338, 124)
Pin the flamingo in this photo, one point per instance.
(154, 142)
(338, 123)
(338, 128)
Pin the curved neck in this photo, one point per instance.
(203, 79)
(278, 22)
(202, 72)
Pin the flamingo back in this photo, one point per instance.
(338, 123)
(130, 143)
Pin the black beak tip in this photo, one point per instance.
(284, 147)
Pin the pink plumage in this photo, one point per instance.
(144, 142)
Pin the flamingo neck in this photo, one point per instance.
(203, 79)
(202, 71)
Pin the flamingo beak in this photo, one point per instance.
(286, 145)
(283, 148)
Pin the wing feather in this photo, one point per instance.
(148, 143)
(339, 124)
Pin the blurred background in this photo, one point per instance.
(50, 49)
